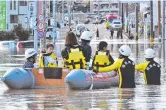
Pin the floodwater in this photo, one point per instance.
(141, 97)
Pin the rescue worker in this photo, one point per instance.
(86, 37)
(150, 68)
(97, 33)
(49, 58)
(102, 57)
(125, 68)
(107, 24)
(31, 56)
(73, 54)
(112, 33)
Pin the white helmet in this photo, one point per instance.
(86, 35)
(30, 52)
(149, 53)
(125, 50)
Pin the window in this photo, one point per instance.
(23, 3)
(116, 22)
(10, 5)
(14, 5)
(13, 19)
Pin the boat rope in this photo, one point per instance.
(2, 79)
(91, 75)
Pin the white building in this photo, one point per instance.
(16, 13)
(145, 9)
(105, 6)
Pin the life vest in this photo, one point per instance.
(126, 71)
(107, 24)
(151, 71)
(127, 74)
(49, 64)
(101, 60)
(75, 60)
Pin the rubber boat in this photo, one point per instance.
(19, 78)
(86, 79)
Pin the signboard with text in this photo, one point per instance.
(2, 15)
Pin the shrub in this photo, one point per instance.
(21, 32)
(7, 35)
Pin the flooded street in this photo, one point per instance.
(141, 97)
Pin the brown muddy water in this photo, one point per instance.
(142, 97)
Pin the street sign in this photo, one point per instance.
(66, 18)
(41, 31)
(40, 34)
(40, 26)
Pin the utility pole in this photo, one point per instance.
(98, 7)
(127, 17)
(35, 27)
(122, 17)
(151, 19)
(159, 18)
(163, 31)
(55, 24)
(109, 7)
(119, 5)
(62, 9)
(136, 24)
(45, 25)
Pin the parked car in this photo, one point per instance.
(26, 44)
(116, 24)
(49, 32)
(80, 28)
(87, 21)
(98, 21)
(7, 43)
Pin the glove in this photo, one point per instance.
(96, 71)
(87, 65)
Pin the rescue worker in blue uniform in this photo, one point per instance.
(102, 57)
(73, 54)
(86, 37)
(49, 58)
(125, 68)
(150, 69)
(31, 56)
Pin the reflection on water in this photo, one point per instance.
(142, 97)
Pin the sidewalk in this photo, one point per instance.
(133, 33)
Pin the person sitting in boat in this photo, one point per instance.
(49, 58)
(102, 57)
(86, 37)
(151, 69)
(73, 54)
(31, 56)
(125, 68)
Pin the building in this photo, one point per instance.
(16, 13)
(105, 6)
(145, 10)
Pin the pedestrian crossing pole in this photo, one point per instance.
(163, 32)
(151, 19)
(54, 26)
(35, 27)
(127, 17)
(159, 19)
(136, 15)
